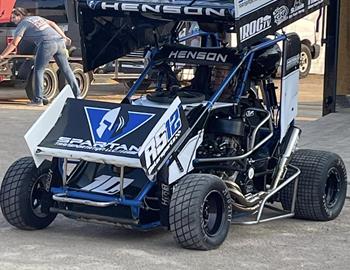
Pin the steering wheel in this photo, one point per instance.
(166, 97)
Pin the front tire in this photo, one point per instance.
(321, 188)
(24, 200)
(200, 212)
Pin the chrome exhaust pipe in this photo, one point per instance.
(282, 168)
(251, 202)
(241, 208)
(241, 202)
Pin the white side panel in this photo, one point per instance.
(172, 108)
(186, 156)
(45, 123)
(248, 6)
(289, 101)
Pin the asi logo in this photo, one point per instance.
(281, 14)
(110, 125)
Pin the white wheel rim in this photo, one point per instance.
(304, 62)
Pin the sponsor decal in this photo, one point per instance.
(255, 27)
(164, 9)
(166, 195)
(81, 144)
(229, 201)
(314, 3)
(160, 144)
(298, 8)
(209, 56)
(281, 14)
(107, 184)
(243, 7)
(293, 62)
(107, 126)
(249, 114)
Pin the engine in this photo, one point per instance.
(218, 146)
(226, 135)
(215, 146)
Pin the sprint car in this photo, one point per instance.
(193, 155)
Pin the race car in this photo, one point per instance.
(192, 156)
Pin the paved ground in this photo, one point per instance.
(285, 244)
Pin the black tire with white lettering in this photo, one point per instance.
(200, 212)
(321, 188)
(23, 198)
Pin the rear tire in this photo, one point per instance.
(23, 198)
(200, 212)
(321, 188)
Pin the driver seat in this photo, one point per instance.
(201, 81)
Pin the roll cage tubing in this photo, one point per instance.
(136, 203)
(248, 57)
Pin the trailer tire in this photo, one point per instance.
(50, 90)
(200, 212)
(321, 187)
(82, 78)
(305, 61)
(23, 198)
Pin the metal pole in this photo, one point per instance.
(331, 59)
(122, 182)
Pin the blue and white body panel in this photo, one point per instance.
(118, 134)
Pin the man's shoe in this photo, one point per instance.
(45, 100)
(35, 104)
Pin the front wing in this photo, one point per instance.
(118, 134)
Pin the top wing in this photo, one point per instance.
(111, 29)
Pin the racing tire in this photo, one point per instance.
(305, 61)
(321, 188)
(23, 198)
(50, 90)
(83, 79)
(200, 212)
